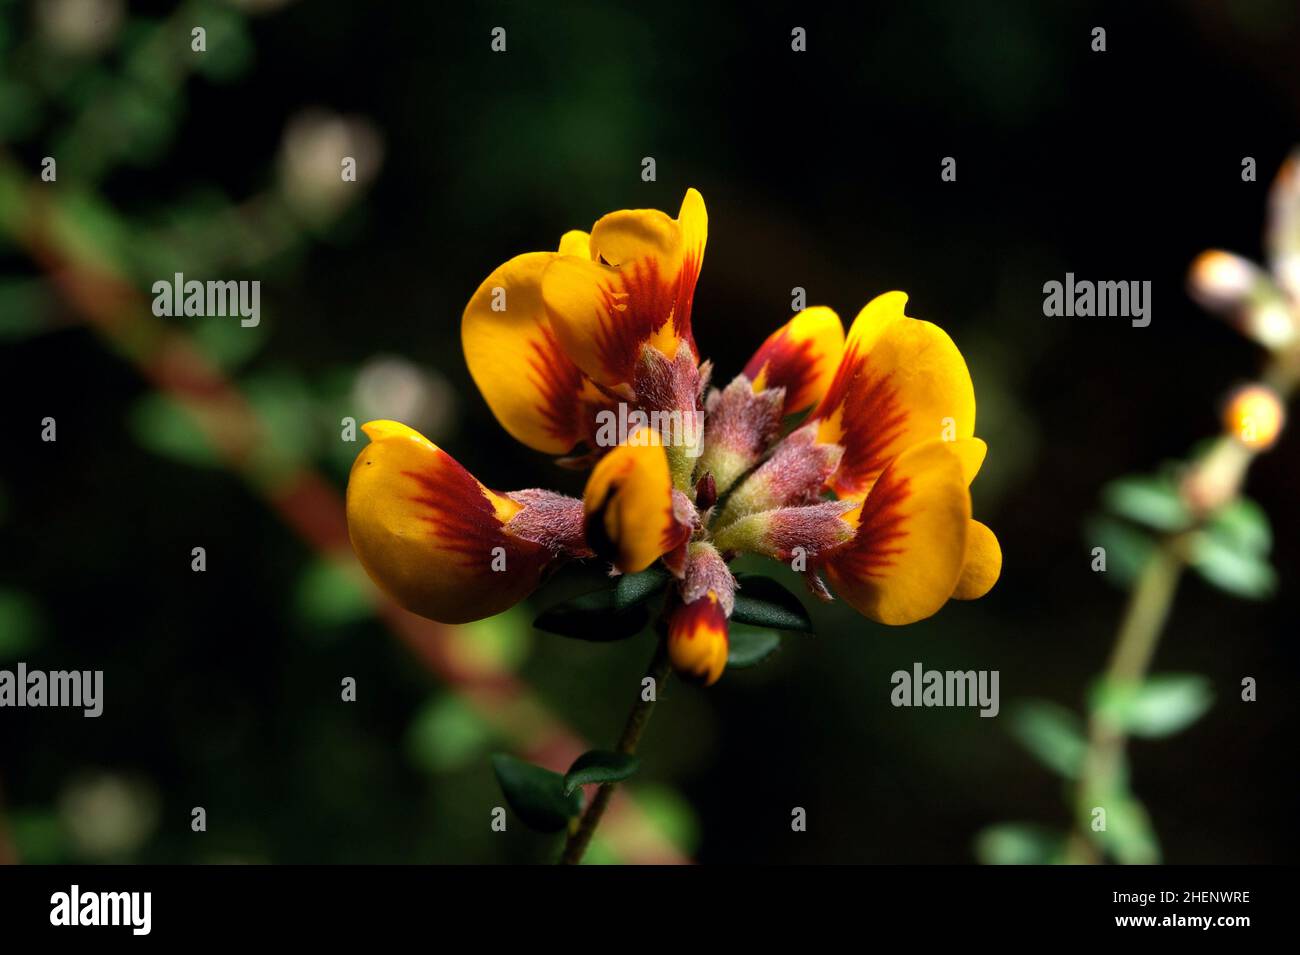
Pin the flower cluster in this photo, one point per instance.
(1264, 305)
(867, 491)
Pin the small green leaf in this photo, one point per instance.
(20, 624)
(1052, 733)
(599, 766)
(1244, 525)
(762, 602)
(1152, 501)
(535, 794)
(1128, 835)
(166, 428)
(749, 648)
(633, 589)
(446, 735)
(1018, 843)
(1127, 548)
(594, 616)
(1161, 706)
(230, 344)
(39, 836)
(328, 595)
(1224, 563)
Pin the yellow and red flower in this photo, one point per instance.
(559, 341)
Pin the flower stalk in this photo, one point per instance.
(575, 847)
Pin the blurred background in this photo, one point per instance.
(820, 170)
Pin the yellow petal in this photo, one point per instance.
(635, 289)
(876, 316)
(576, 242)
(901, 382)
(983, 563)
(801, 356)
(628, 504)
(430, 535)
(971, 453)
(907, 556)
(532, 387)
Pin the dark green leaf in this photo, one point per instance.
(535, 794)
(599, 766)
(594, 617)
(1018, 843)
(751, 647)
(1052, 733)
(1161, 706)
(762, 602)
(1152, 501)
(633, 589)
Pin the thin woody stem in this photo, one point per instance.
(580, 836)
(1149, 605)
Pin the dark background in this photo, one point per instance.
(821, 170)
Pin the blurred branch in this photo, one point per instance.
(305, 501)
(1212, 483)
(8, 851)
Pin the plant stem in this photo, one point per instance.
(1139, 634)
(580, 837)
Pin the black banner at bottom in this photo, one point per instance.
(337, 904)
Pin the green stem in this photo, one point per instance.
(1139, 634)
(580, 836)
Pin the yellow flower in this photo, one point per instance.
(566, 344)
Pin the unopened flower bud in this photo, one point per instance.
(697, 640)
(697, 628)
(1254, 416)
(795, 474)
(1236, 287)
(790, 532)
(740, 427)
(1221, 280)
(706, 492)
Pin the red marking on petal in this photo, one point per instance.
(872, 420)
(880, 528)
(790, 364)
(636, 304)
(850, 365)
(559, 382)
(675, 533)
(686, 298)
(463, 519)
